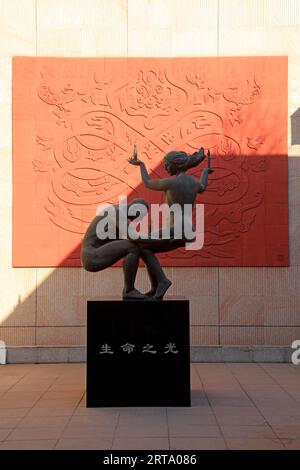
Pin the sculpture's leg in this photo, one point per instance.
(153, 283)
(158, 244)
(130, 267)
(96, 259)
(159, 282)
(152, 277)
(161, 246)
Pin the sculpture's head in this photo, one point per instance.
(139, 206)
(177, 161)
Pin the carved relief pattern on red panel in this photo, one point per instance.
(85, 116)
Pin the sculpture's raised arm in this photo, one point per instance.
(197, 157)
(151, 183)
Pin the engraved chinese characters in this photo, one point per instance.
(170, 348)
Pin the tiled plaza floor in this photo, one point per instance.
(234, 406)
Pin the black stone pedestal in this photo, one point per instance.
(138, 353)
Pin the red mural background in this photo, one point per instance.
(74, 125)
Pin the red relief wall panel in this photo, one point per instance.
(74, 125)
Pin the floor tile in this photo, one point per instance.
(238, 420)
(43, 421)
(101, 443)
(257, 432)
(94, 420)
(201, 420)
(141, 430)
(288, 431)
(43, 444)
(194, 430)
(291, 444)
(253, 444)
(86, 432)
(36, 433)
(8, 422)
(197, 443)
(193, 410)
(4, 433)
(142, 420)
(13, 412)
(50, 411)
(151, 443)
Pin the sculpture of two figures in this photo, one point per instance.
(100, 252)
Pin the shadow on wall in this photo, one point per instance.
(245, 217)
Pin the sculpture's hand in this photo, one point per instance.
(135, 161)
(208, 171)
(209, 168)
(201, 151)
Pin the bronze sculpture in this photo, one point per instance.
(181, 188)
(97, 254)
